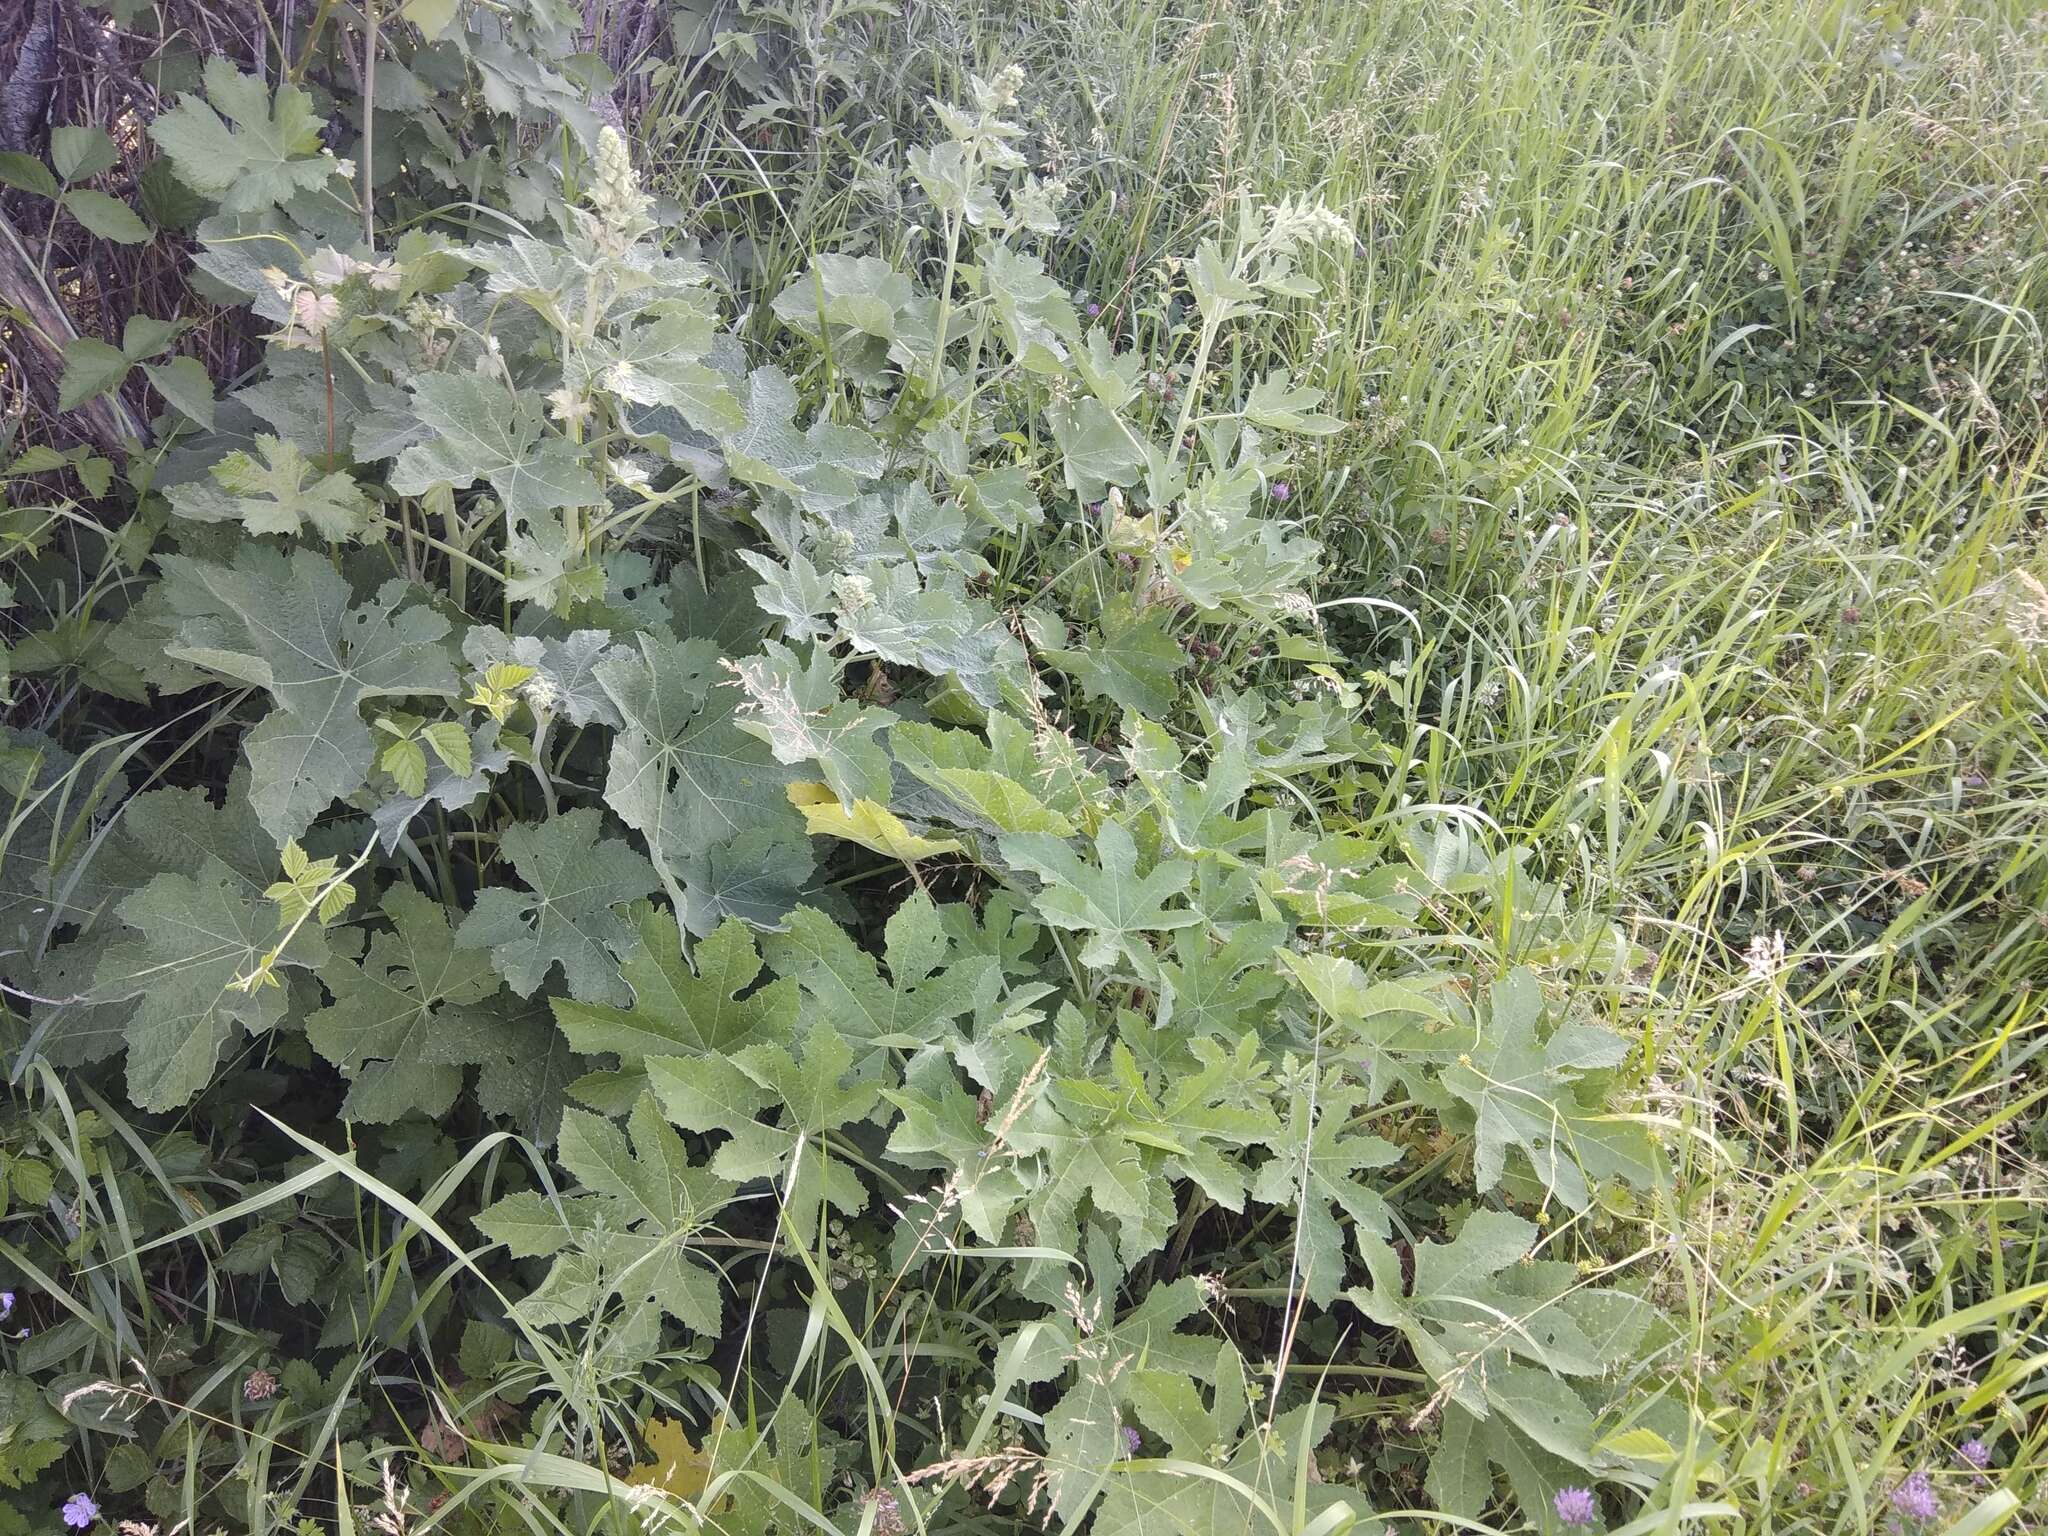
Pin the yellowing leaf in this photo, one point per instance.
(1640, 1444)
(678, 1467)
(871, 825)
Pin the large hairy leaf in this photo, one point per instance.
(680, 1009)
(248, 149)
(569, 917)
(1130, 660)
(405, 1020)
(485, 430)
(1106, 898)
(929, 987)
(821, 468)
(289, 626)
(276, 490)
(682, 773)
(1523, 1097)
(195, 936)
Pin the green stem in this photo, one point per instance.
(255, 978)
(370, 20)
(450, 550)
(945, 306)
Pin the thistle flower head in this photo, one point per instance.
(1130, 1441)
(1973, 1451)
(1574, 1506)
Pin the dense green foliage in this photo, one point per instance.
(1217, 798)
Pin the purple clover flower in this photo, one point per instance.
(1094, 310)
(1574, 1506)
(1916, 1499)
(80, 1511)
(1282, 490)
(1130, 1441)
(1975, 1452)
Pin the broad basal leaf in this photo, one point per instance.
(1105, 898)
(1500, 1335)
(1034, 315)
(569, 917)
(1277, 402)
(795, 705)
(1130, 660)
(288, 625)
(846, 297)
(928, 989)
(1099, 449)
(682, 773)
(247, 149)
(660, 1201)
(405, 1020)
(1079, 1160)
(679, 1010)
(661, 363)
(809, 1093)
(276, 490)
(756, 877)
(1010, 779)
(864, 822)
(485, 430)
(196, 935)
(946, 1127)
(1523, 1096)
(1315, 1165)
(626, 1234)
(821, 468)
(1084, 1430)
(890, 611)
(1206, 988)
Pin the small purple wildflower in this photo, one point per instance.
(1916, 1499)
(1282, 490)
(6, 1304)
(1130, 1441)
(80, 1511)
(1574, 1506)
(1975, 1452)
(1094, 310)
